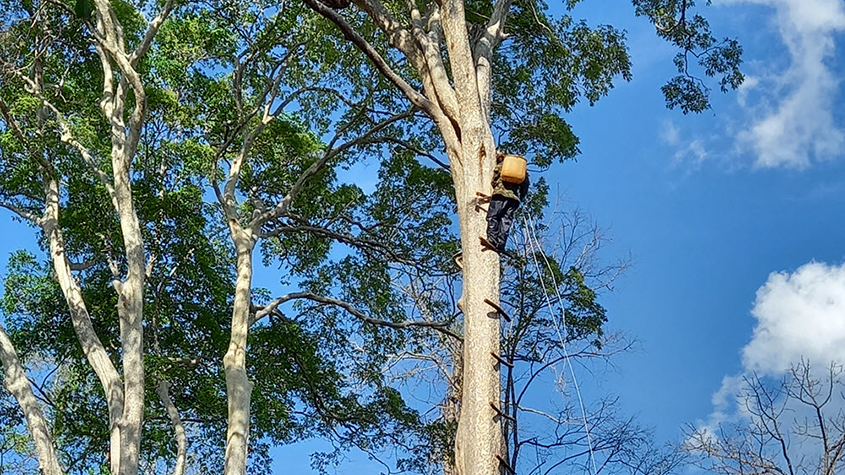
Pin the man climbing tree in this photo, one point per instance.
(509, 189)
(450, 47)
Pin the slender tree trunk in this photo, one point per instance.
(238, 385)
(18, 384)
(163, 391)
(451, 406)
(92, 347)
(130, 309)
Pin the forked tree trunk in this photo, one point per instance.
(479, 441)
(92, 347)
(457, 98)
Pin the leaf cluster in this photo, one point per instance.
(690, 33)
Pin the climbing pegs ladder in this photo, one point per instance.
(458, 258)
(501, 360)
(505, 464)
(498, 309)
(502, 414)
(487, 244)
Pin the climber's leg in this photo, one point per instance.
(496, 235)
(504, 223)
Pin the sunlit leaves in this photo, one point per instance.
(690, 32)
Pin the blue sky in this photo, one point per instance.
(733, 216)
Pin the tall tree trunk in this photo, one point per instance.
(479, 438)
(18, 384)
(238, 385)
(92, 347)
(130, 310)
(457, 98)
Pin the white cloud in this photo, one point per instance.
(669, 133)
(798, 315)
(792, 121)
(687, 151)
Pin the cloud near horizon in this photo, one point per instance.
(799, 315)
(792, 120)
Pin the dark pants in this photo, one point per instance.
(499, 220)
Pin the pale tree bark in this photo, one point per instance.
(163, 391)
(125, 137)
(17, 383)
(92, 347)
(246, 231)
(238, 385)
(124, 395)
(459, 105)
(451, 407)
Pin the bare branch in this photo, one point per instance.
(281, 208)
(349, 32)
(265, 310)
(24, 214)
(152, 31)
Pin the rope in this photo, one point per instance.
(535, 248)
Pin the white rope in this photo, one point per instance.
(535, 248)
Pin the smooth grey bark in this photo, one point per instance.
(17, 383)
(125, 137)
(238, 385)
(92, 347)
(245, 231)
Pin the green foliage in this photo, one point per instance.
(319, 370)
(691, 34)
(83, 9)
(543, 70)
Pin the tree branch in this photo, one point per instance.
(152, 31)
(282, 207)
(265, 310)
(18, 384)
(163, 391)
(412, 94)
(24, 214)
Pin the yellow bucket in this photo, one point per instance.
(514, 169)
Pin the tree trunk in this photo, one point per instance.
(238, 386)
(18, 384)
(92, 347)
(163, 391)
(479, 437)
(457, 98)
(130, 310)
(451, 406)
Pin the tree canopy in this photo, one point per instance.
(155, 146)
